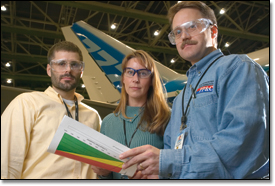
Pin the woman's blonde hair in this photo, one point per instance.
(156, 112)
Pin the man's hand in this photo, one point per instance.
(139, 175)
(147, 158)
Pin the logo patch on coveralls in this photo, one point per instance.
(208, 88)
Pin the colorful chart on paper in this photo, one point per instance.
(75, 149)
(79, 142)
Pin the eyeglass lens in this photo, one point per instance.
(62, 65)
(191, 28)
(142, 73)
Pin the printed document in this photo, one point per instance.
(79, 142)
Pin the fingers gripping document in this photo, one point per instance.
(79, 142)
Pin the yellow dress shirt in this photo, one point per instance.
(27, 127)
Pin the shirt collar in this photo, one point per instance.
(52, 93)
(201, 65)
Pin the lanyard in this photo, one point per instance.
(124, 127)
(76, 109)
(184, 118)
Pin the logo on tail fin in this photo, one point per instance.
(107, 58)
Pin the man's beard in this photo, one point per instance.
(64, 86)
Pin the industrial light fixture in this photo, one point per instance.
(8, 64)
(82, 86)
(173, 60)
(156, 33)
(227, 44)
(222, 11)
(113, 26)
(3, 8)
(9, 81)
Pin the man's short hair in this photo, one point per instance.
(205, 10)
(63, 46)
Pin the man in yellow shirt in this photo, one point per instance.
(30, 121)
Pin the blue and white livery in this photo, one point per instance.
(103, 56)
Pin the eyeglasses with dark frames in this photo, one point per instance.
(142, 73)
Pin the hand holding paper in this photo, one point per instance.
(146, 156)
(80, 142)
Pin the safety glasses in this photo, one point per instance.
(61, 65)
(191, 28)
(142, 73)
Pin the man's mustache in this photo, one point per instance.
(188, 42)
(67, 75)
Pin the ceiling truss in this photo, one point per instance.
(30, 28)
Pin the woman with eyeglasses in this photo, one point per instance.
(142, 113)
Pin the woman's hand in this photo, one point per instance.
(101, 172)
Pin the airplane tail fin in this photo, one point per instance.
(102, 68)
(103, 56)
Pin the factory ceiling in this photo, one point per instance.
(30, 28)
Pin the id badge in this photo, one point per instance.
(180, 139)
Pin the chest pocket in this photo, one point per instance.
(204, 100)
